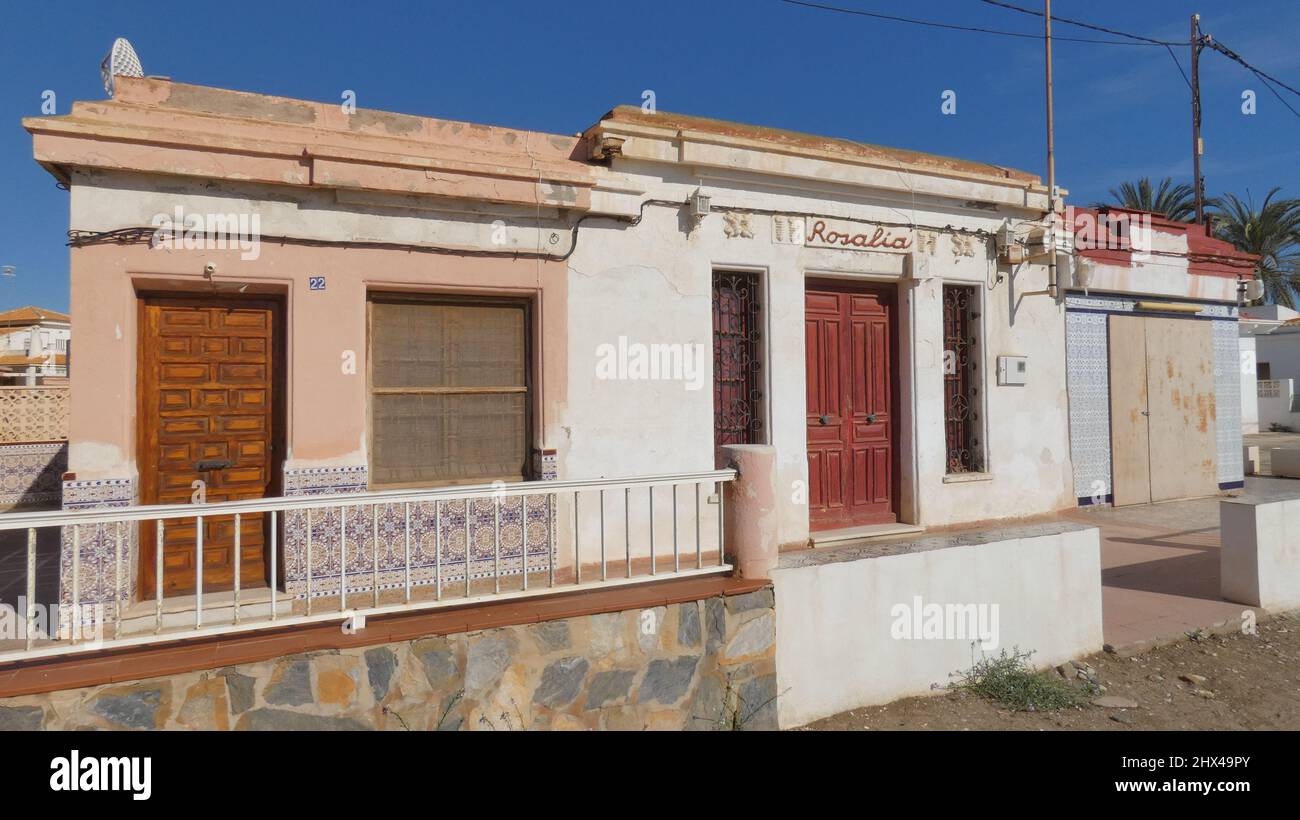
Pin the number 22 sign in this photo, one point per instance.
(315, 283)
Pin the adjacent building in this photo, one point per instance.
(1270, 349)
(33, 345)
(1153, 359)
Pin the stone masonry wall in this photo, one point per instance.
(707, 664)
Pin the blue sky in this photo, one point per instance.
(1121, 111)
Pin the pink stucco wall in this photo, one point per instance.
(327, 408)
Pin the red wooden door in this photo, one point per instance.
(849, 334)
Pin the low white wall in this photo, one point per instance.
(1274, 403)
(836, 619)
(1259, 561)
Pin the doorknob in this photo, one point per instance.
(871, 419)
(825, 420)
(1146, 413)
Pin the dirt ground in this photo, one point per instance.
(1251, 682)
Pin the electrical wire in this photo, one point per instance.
(1266, 79)
(1234, 56)
(956, 27)
(135, 235)
(1080, 24)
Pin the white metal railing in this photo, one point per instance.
(587, 556)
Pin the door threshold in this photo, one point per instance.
(835, 538)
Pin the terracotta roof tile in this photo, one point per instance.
(32, 314)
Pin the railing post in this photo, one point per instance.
(308, 560)
(374, 553)
(30, 614)
(198, 572)
(275, 535)
(750, 510)
(238, 562)
(343, 558)
(523, 532)
(158, 577)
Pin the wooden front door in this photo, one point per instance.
(1162, 409)
(849, 333)
(208, 401)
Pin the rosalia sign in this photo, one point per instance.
(857, 236)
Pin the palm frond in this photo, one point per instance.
(1272, 232)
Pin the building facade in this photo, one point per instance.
(1153, 358)
(288, 298)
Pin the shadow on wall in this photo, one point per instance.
(31, 476)
(13, 566)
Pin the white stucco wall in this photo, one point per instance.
(1280, 350)
(650, 283)
(837, 644)
(1249, 385)
(653, 284)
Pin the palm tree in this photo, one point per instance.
(1272, 232)
(1177, 202)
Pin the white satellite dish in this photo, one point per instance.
(121, 61)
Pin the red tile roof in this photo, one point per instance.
(31, 315)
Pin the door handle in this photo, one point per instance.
(824, 420)
(871, 419)
(212, 464)
(1146, 413)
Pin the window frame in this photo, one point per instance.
(976, 304)
(762, 317)
(529, 386)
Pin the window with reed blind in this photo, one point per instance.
(449, 391)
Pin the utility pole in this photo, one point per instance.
(1198, 146)
(1052, 288)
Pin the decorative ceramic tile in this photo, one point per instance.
(1227, 390)
(546, 463)
(104, 549)
(1128, 304)
(1088, 383)
(31, 474)
(343, 539)
(325, 480)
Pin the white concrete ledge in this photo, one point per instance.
(844, 616)
(1259, 560)
(1284, 461)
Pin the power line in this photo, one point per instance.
(1266, 79)
(955, 27)
(1174, 57)
(1208, 41)
(1235, 57)
(1080, 24)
